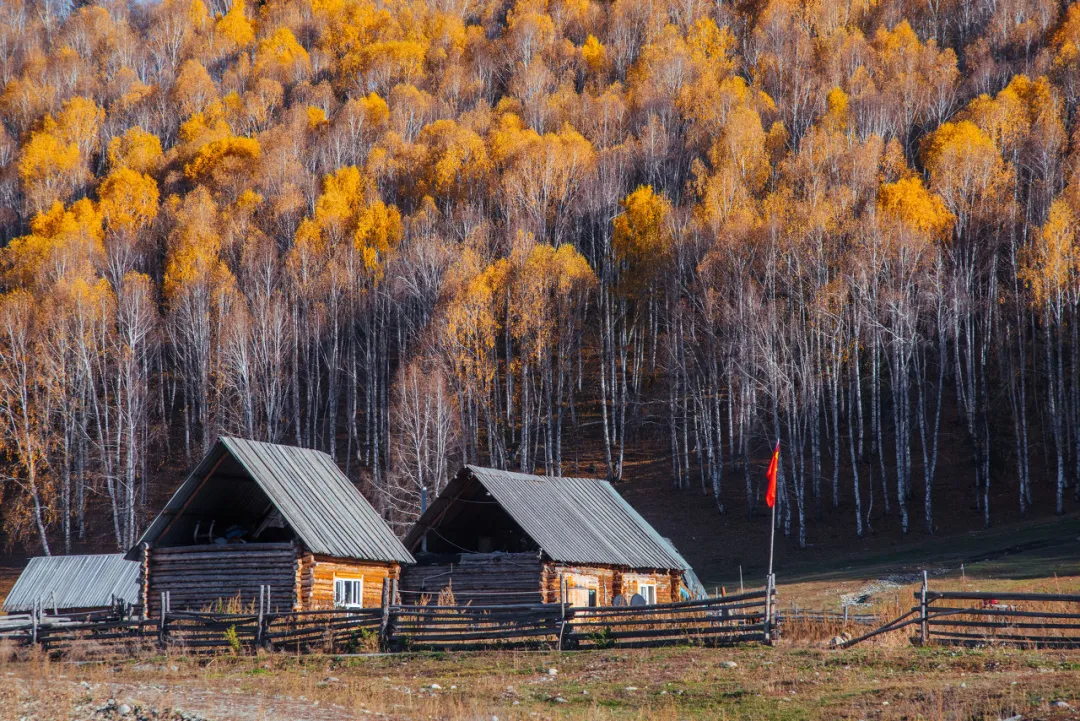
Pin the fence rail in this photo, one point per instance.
(965, 618)
(1047, 620)
(838, 618)
(718, 621)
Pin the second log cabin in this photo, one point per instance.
(496, 537)
(257, 514)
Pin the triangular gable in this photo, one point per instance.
(314, 497)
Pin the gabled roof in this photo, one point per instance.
(314, 497)
(573, 520)
(74, 582)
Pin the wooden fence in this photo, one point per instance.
(1038, 620)
(964, 618)
(717, 621)
(713, 621)
(835, 618)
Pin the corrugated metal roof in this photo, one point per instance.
(574, 520)
(321, 505)
(74, 582)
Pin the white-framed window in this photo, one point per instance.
(348, 592)
(648, 592)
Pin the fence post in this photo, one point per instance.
(267, 619)
(161, 621)
(922, 610)
(768, 608)
(34, 622)
(262, 616)
(384, 625)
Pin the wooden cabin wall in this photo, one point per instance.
(667, 584)
(603, 579)
(199, 577)
(608, 581)
(502, 579)
(316, 574)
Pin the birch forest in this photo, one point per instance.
(542, 235)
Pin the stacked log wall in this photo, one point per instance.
(205, 576)
(666, 582)
(610, 581)
(502, 579)
(606, 580)
(317, 573)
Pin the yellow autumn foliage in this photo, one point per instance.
(135, 149)
(641, 238)
(280, 56)
(456, 163)
(316, 117)
(193, 264)
(228, 156)
(378, 232)
(348, 212)
(594, 54)
(63, 242)
(79, 122)
(128, 199)
(194, 90)
(1050, 266)
(48, 163)
(910, 203)
(235, 25)
(837, 111)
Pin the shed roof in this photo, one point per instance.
(75, 582)
(314, 497)
(573, 520)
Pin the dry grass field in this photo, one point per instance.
(887, 680)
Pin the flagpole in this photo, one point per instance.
(772, 538)
(772, 526)
(769, 577)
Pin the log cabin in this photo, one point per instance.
(496, 537)
(256, 514)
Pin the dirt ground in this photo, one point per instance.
(805, 681)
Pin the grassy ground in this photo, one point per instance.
(892, 681)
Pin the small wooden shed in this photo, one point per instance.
(498, 537)
(75, 584)
(257, 514)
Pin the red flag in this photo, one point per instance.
(770, 494)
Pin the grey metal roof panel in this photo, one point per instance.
(321, 505)
(574, 520)
(74, 582)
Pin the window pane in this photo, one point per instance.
(348, 593)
